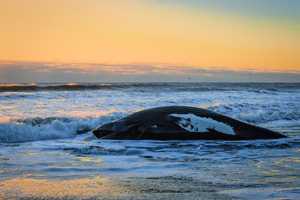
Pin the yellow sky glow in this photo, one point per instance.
(143, 32)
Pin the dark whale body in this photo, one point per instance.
(181, 123)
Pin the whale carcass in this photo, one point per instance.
(181, 123)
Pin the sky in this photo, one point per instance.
(149, 40)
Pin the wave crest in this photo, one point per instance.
(34, 129)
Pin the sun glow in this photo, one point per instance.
(131, 31)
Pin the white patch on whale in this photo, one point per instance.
(194, 123)
(154, 126)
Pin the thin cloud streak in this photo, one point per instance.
(27, 72)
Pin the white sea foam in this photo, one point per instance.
(18, 132)
(50, 128)
(194, 123)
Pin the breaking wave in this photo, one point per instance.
(260, 114)
(34, 129)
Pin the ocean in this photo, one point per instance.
(47, 149)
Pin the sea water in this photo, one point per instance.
(47, 149)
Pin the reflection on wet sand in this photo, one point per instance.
(4, 119)
(98, 187)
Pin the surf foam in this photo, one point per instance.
(50, 128)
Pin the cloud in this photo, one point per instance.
(24, 72)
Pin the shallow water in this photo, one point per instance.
(48, 151)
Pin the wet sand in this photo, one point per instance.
(102, 188)
(166, 187)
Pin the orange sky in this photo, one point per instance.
(133, 31)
